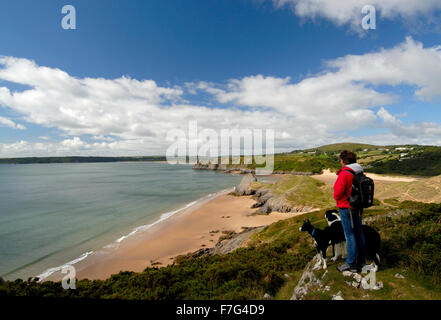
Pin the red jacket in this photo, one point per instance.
(343, 187)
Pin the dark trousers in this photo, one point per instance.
(351, 222)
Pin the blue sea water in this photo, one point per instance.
(51, 214)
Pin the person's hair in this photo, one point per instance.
(348, 157)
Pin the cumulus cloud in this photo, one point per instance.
(408, 63)
(346, 86)
(76, 147)
(343, 12)
(126, 116)
(429, 131)
(6, 122)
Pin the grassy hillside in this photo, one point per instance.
(421, 161)
(398, 160)
(338, 147)
(424, 190)
(301, 191)
(273, 263)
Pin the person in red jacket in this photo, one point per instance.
(350, 217)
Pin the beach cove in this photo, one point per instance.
(196, 227)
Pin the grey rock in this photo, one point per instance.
(357, 277)
(347, 273)
(308, 280)
(379, 285)
(337, 296)
(243, 188)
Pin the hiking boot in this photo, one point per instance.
(360, 268)
(346, 267)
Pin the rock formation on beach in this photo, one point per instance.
(244, 187)
(222, 167)
(267, 200)
(242, 170)
(223, 246)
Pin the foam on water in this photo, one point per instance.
(50, 271)
(136, 230)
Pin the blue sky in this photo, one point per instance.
(209, 54)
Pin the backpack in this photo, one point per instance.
(362, 195)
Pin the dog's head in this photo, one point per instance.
(331, 216)
(307, 226)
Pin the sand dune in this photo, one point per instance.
(330, 177)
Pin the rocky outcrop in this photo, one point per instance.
(235, 242)
(223, 246)
(222, 167)
(267, 202)
(209, 166)
(238, 170)
(294, 173)
(244, 188)
(308, 281)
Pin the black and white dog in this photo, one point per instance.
(338, 243)
(334, 234)
(322, 238)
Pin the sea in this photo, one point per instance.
(57, 214)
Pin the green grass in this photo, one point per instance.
(338, 147)
(394, 288)
(302, 191)
(411, 245)
(419, 161)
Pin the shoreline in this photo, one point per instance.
(127, 252)
(195, 227)
(51, 273)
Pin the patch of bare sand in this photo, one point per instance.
(329, 177)
(401, 188)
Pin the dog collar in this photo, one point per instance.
(312, 233)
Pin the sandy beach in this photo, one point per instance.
(196, 227)
(329, 177)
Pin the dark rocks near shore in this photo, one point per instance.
(226, 169)
(222, 167)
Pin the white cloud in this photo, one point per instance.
(343, 12)
(408, 63)
(77, 147)
(425, 131)
(130, 117)
(6, 122)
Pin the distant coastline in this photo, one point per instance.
(79, 159)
